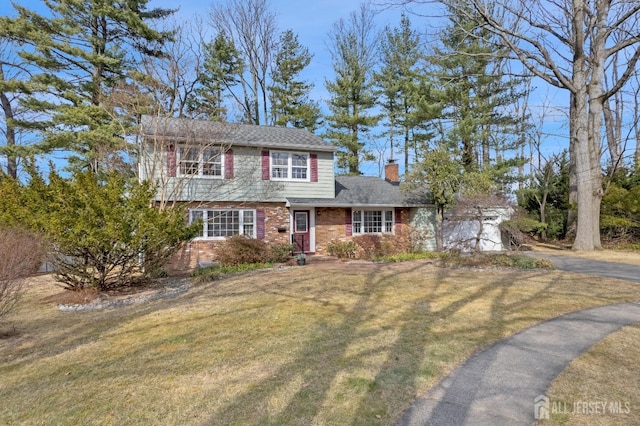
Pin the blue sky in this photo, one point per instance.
(311, 20)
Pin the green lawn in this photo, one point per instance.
(320, 344)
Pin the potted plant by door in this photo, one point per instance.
(301, 259)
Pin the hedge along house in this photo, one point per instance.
(271, 183)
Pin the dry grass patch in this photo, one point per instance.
(322, 344)
(607, 373)
(630, 257)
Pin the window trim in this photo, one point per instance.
(201, 162)
(241, 225)
(357, 224)
(290, 166)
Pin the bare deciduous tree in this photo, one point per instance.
(251, 26)
(20, 257)
(568, 44)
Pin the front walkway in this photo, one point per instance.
(499, 385)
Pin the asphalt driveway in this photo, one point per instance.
(620, 271)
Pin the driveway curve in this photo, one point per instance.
(501, 384)
(621, 271)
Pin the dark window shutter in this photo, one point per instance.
(314, 167)
(171, 161)
(265, 165)
(348, 226)
(260, 224)
(228, 164)
(398, 220)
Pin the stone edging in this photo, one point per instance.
(105, 304)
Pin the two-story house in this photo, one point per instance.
(271, 183)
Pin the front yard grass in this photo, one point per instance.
(606, 374)
(328, 343)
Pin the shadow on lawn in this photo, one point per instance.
(327, 357)
(416, 353)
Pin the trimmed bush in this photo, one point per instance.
(239, 249)
(342, 249)
(281, 252)
(372, 246)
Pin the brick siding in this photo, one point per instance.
(203, 252)
(330, 226)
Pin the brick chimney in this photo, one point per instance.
(392, 173)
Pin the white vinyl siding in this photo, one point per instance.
(247, 185)
(221, 223)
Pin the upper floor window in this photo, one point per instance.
(200, 161)
(289, 166)
(372, 221)
(225, 223)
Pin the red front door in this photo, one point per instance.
(301, 236)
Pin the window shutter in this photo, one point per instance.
(265, 165)
(171, 161)
(314, 167)
(398, 219)
(260, 232)
(348, 227)
(228, 164)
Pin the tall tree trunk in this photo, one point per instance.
(636, 122)
(7, 109)
(486, 156)
(572, 214)
(613, 130)
(439, 228)
(584, 228)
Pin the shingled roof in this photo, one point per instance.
(184, 130)
(366, 191)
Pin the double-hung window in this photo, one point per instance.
(372, 221)
(200, 161)
(218, 224)
(289, 166)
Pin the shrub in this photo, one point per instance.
(281, 252)
(483, 260)
(372, 246)
(240, 249)
(212, 273)
(403, 257)
(20, 256)
(100, 231)
(342, 249)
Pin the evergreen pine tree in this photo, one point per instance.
(222, 72)
(398, 84)
(289, 96)
(475, 94)
(352, 94)
(82, 49)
